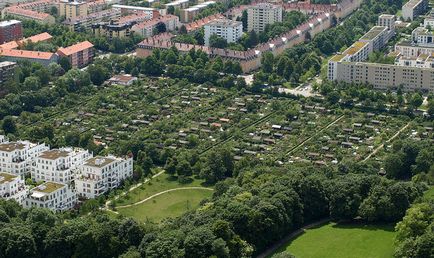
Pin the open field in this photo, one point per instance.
(167, 205)
(343, 241)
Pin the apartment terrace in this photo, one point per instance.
(46, 188)
(373, 33)
(5, 177)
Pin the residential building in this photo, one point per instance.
(10, 30)
(129, 9)
(414, 8)
(6, 70)
(147, 28)
(387, 20)
(13, 187)
(51, 195)
(17, 157)
(5, 3)
(15, 55)
(72, 8)
(178, 4)
(81, 23)
(422, 61)
(230, 30)
(100, 174)
(35, 10)
(373, 40)
(262, 14)
(119, 28)
(188, 14)
(410, 49)
(58, 165)
(386, 76)
(79, 55)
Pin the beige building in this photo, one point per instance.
(386, 76)
(72, 9)
(262, 14)
(414, 8)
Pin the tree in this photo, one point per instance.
(9, 125)
(65, 63)
(267, 62)
(244, 19)
(183, 30)
(171, 10)
(160, 27)
(98, 74)
(416, 100)
(217, 41)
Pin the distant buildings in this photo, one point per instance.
(74, 8)
(188, 14)
(100, 174)
(79, 55)
(10, 31)
(6, 70)
(36, 10)
(414, 8)
(65, 174)
(262, 14)
(120, 79)
(230, 30)
(84, 22)
(13, 187)
(51, 195)
(146, 28)
(178, 4)
(412, 71)
(119, 28)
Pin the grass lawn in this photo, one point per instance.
(168, 205)
(343, 241)
(155, 185)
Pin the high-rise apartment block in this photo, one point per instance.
(230, 30)
(262, 14)
(414, 8)
(10, 31)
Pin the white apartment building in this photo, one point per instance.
(100, 174)
(58, 165)
(262, 14)
(230, 30)
(422, 61)
(414, 8)
(51, 195)
(17, 157)
(13, 187)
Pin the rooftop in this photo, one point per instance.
(6, 177)
(373, 33)
(26, 54)
(224, 22)
(54, 154)
(38, 38)
(131, 7)
(75, 48)
(354, 48)
(177, 2)
(122, 78)
(9, 22)
(412, 3)
(11, 146)
(99, 161)
(48, 187)
(6, 63)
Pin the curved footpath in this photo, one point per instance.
(163, 192)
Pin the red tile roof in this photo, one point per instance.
(9, 45)
(37, 38)
(26, 54)
(75, 48)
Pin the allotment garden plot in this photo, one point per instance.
(356, 135)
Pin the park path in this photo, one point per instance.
(315, 134)
(290, 236)
(389, 140)
(107, 203)
(163, 192)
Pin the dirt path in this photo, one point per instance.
(163, 192)
(107, 203)
(389, 140)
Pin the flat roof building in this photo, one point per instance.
(414, 8)
(262, 14)
(12, 187)
(10, 30)
(230, 30)
(51, 195)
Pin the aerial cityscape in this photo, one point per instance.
(223, 128)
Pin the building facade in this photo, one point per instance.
(11, 30)
(79, 55)
(18, 157)
(51, 195)
(414, 8)
(13, 187)
(146, 29)
(100, 174)
(6, 70)
(58, 165)
(230, 30)
(262, 14)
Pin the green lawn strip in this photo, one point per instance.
(156, 185)
(343, 241)
(167, 205)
